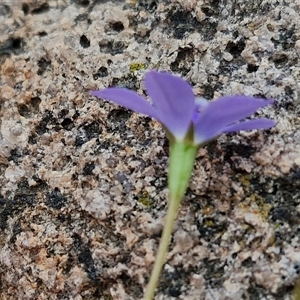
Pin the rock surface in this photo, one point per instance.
(83, 189)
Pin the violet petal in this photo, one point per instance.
(225, 111)
(173, 100)
(262, 123)
(127, 99)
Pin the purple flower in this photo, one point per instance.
(174, 105)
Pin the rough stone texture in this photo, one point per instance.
(83, 188)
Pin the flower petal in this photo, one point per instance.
(200, 104)
(127, 99)
(173, 99)
(262, 123)
(225, 111)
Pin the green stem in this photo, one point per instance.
(296, 291)
(162, 249)
(182, 157)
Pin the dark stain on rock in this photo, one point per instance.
(56, 199)
(102, 72)
(88, 168)
(287, 38)
(46, 120)
(235, 48)
(25, 195)
(117, 26)
(150, 5)
(112, 47)
(171, 282)
(44, 65)
(83, 3)
(4, 10)
(15, 203)
(116, 120)
(213, 271)
(30, 109)
(252, 68)
(5, 212)
(15, 155)
(84, 42)
(127, 81)
(182, 22)
(183, 61)
(212, 9)
(87, 132)
(43, 8)
(36, 7)
(13, 45)
(242, 150)
(208, 227)
(85, 258)
(286, 214)
(210, 88)
(280, 59)
(67, 124)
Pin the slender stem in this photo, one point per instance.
(181, 163)
(296, 291)
(162, 249)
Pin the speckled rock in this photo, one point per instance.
(83, 189)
